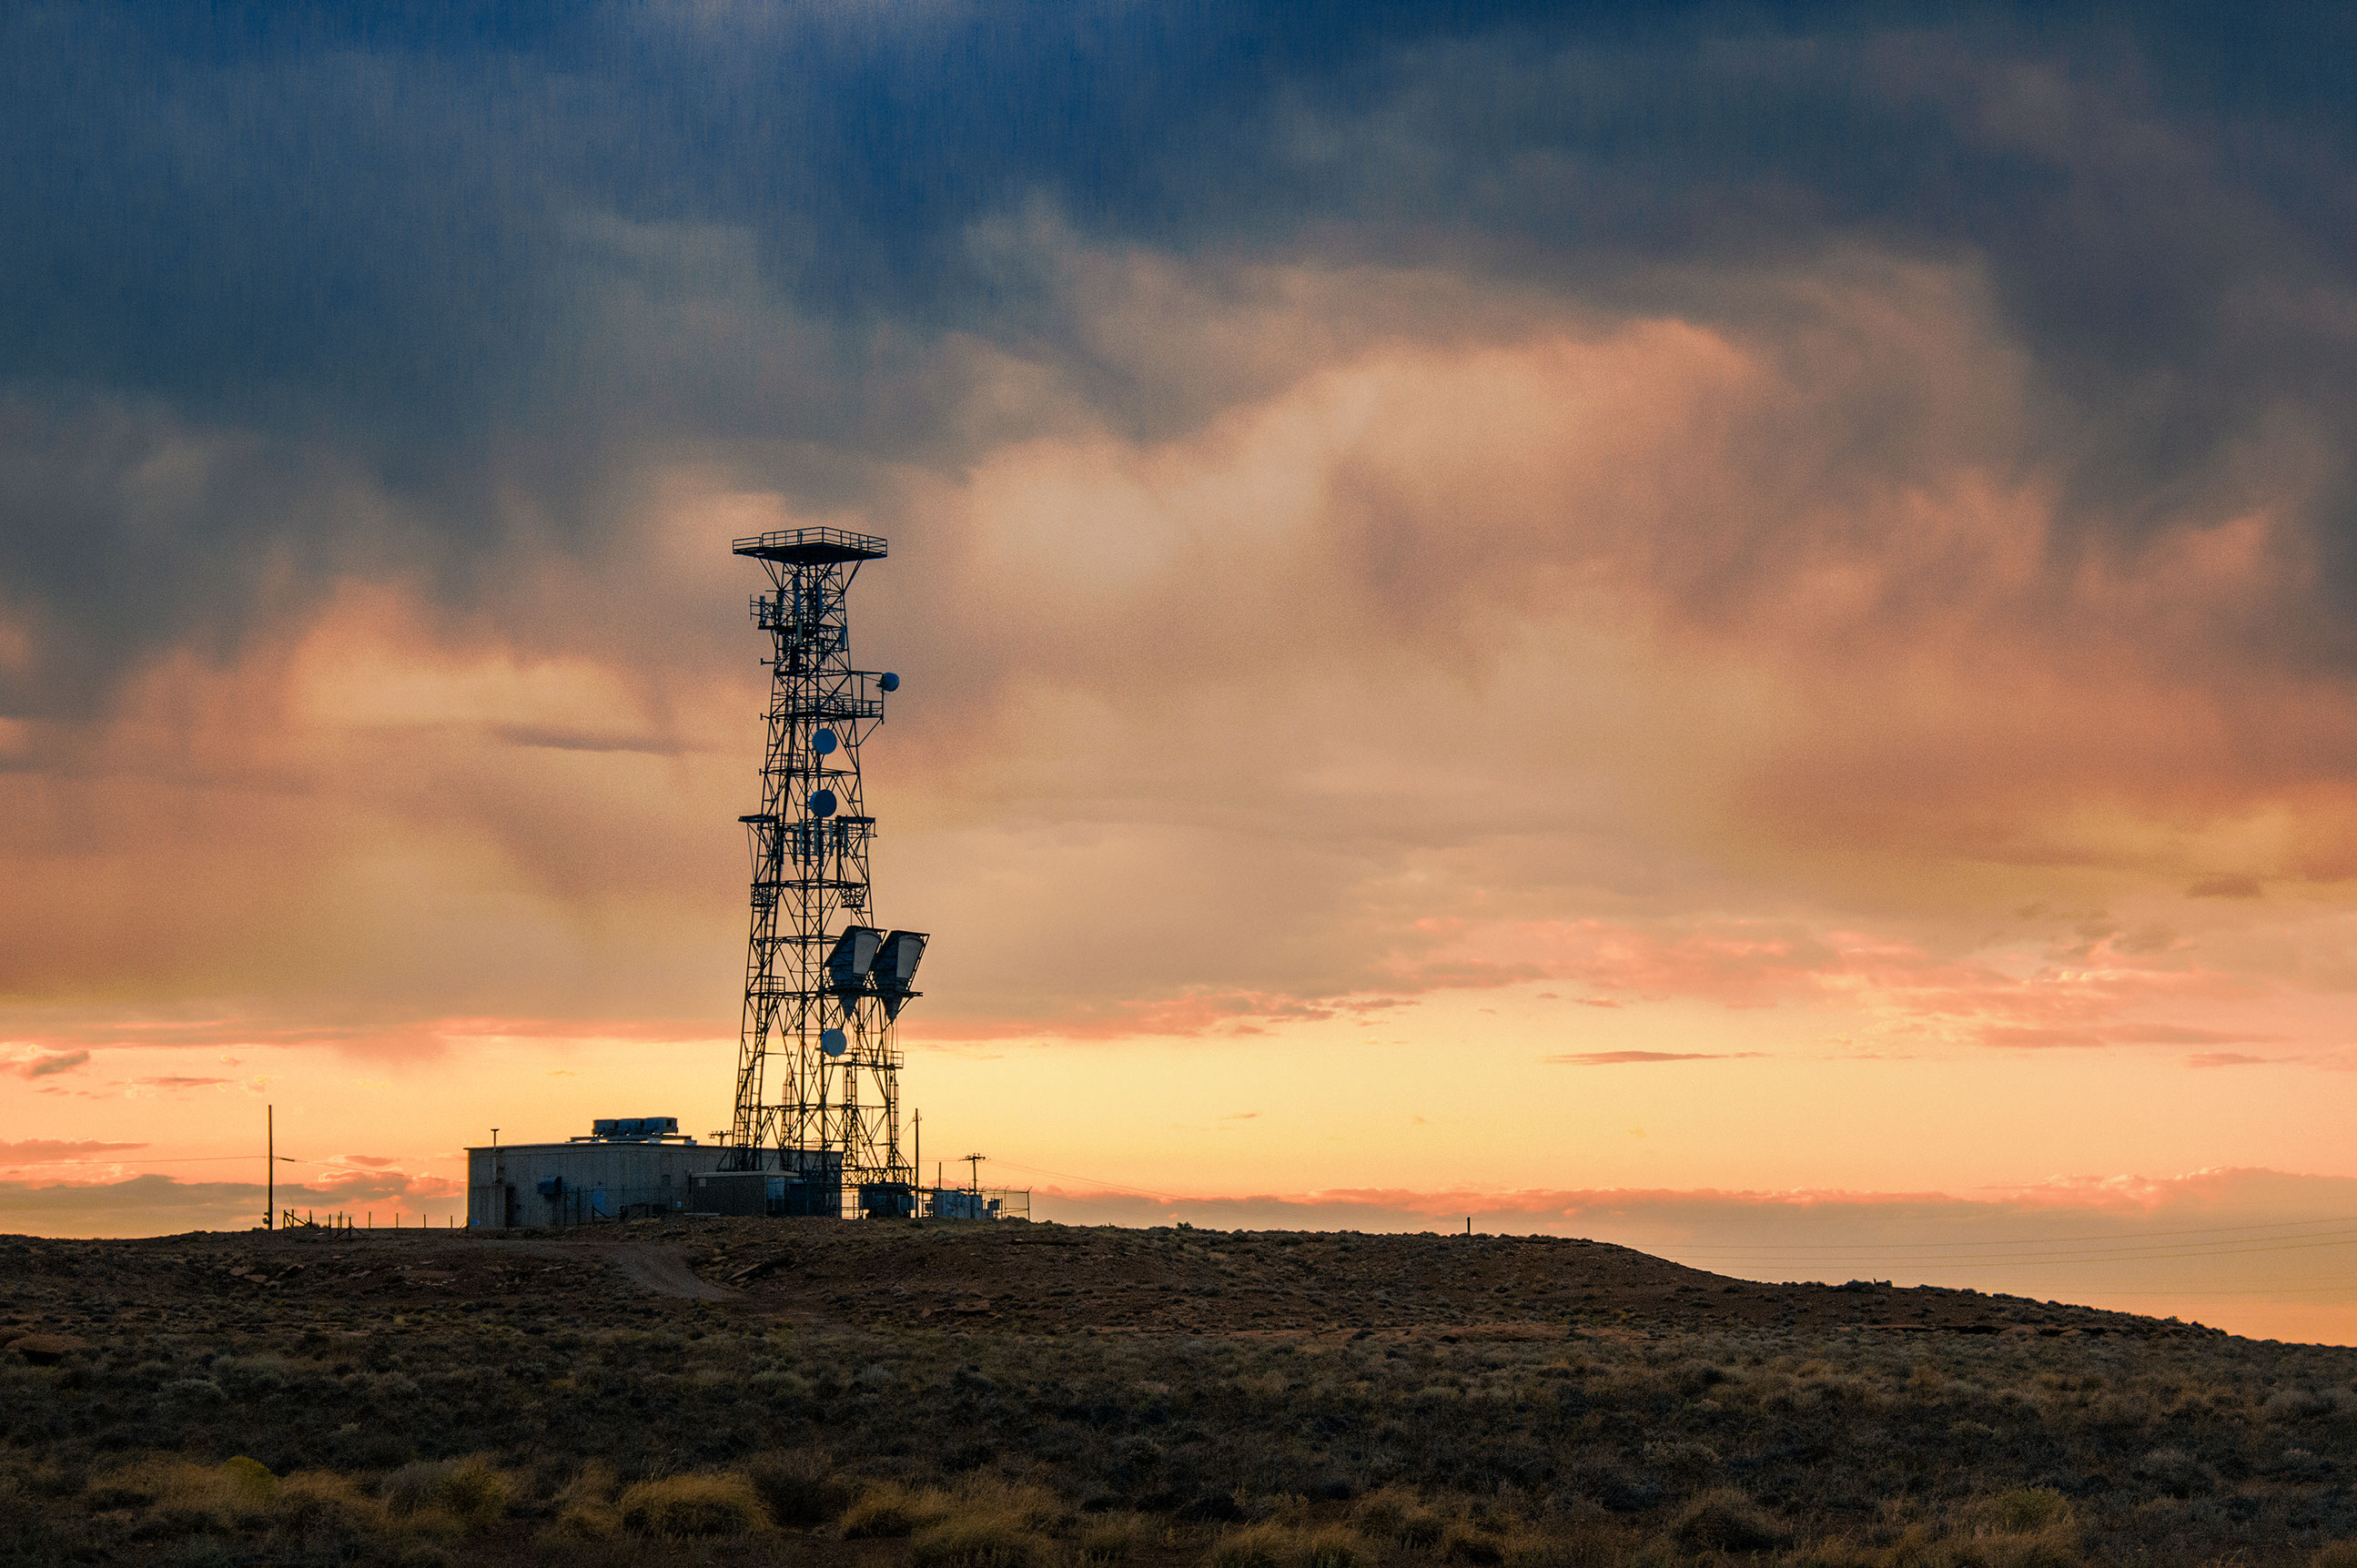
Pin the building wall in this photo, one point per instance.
(599, 1181)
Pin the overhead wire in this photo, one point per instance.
(212, 1159)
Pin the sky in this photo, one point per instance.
(1715, 625)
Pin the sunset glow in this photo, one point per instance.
(1464, 657)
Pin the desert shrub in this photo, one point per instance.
(2295, 1404)
(318, 1516)
(322, 1495)
(887, 1510)
(249, 1477)
(1382, 1515)
(1112, 1538)
(798, 1488)
(1396, 1513)
(133, 1487)
(1726, 1520)
(468, 1492)
(2176, 1472)
(1335, 1546)
(1463, 1541)
(683, 1505)
(1680, 1457)
(577, 1523)
(182, 1497)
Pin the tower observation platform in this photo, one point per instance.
(813, 547)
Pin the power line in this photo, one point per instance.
(207, 1159)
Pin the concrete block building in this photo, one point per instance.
(626, 1168)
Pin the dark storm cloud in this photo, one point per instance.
(297, 292)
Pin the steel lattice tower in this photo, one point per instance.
(817, 1092)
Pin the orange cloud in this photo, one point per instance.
(1744, 652)
(37, 1062)
(52, 1151)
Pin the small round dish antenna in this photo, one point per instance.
(832, 1042)
(888, 681)
(821, 802)
(823, 742)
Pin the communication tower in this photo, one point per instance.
(817, 1070)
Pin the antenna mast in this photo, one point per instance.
(817, 1070)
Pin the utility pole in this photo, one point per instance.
(974, 1165)
(270, 1168)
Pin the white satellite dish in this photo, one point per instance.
(832, 1042)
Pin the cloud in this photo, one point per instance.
(2225, 887)
(49, 1151)
(1621, 1059)
(1823, 540)
(36, 1062)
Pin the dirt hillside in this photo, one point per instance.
(1035, 1278)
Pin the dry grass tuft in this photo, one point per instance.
(887, 1510)
(990, 1523)
(682, 1507)
(977, 1538)
(1033, 1507)
(184, 1497)
(1726, 1520)
(311, 1498)
(1398, 1514)
(1113, 1537)
(1258, 1546)
(1290, 1546)
(584, 1512)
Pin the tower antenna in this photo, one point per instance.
(817, 1068)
